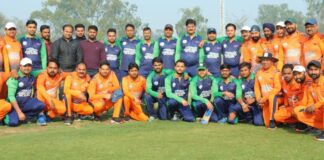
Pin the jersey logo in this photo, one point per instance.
(21, 84)
(162, 44)
(124, 43)
(174, 84)
(184, 41)
(225, 45)
(207, 49)
(156, 83)
(143, 49)
(24, 43)
(243, 86)
(8, 46)
(221, 88)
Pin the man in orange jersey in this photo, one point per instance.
(246, 35)
(311, 111)
(255, 49)
(48, 84)
(5, 106)
(272, 44)
(280, 30)
(266, 87)
(101, 89)
(133, 87)
(75, 89)
(313, 47)
(292, 44)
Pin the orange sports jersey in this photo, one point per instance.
(313, 49)
(314, 94)
(133, 88)
(274, 46)
(76, 86)
(267, 82)
(292, 47)
(48, 86)
(12, 54)
(244, 49)
(254, 50)
(293, 93)
(100, 85)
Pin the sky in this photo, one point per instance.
(160, 12)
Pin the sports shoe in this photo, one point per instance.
(272, 125)
(151, 118)
(115, 120)
(97, 118)
(223, 120)
(126, 118)
(68, 121)
(320, 137)
(41, 120)
(301, 127)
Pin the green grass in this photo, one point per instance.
(155, 140)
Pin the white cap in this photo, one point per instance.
(281, 24)
(10, 25)
(26, 61)
(299, 68)
(246, 28)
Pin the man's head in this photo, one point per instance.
(130, 31)
(311, 27)
(268, 30)
(31, 26)
(267, 60)
(299, 73)
(245, 33)
(157, 64)
(168, 31)
(92, 32)
(26, 66)
(104, 68)
(211, 34)
(314, 69)
(291, 25)
(245, 69)
(225, 71)
(10, 29)
(45, 31)
(202, 71)
(79, 30)
(191, 26)
(111, 35)
(255, 33)
(133, 70)
(287, 72)
(67, 31)
(180, 66)
(52, 67)
(81, 70)
(281, 29)
(230, 30)
(147, 33)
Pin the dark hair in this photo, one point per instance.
(286, 66)
(146, 29)
(229, 25)
(80, 63)
(224, 66)
(129, 25)
(67, 25)
(111, 30)
(53, 60)
(42, 27)
(132, 65)
(31, 21)
(104, 62)
(94, 27)
(157, 59)
(245, 64)
(190, 21)
(79, 25)
(180, 61)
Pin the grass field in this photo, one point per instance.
(155, 140)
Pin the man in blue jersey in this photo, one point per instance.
(113, 51)
(128, 48)
(188, 48)
(34, 48)
(165, 47)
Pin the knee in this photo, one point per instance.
(6, 107)
(39, 106)
(218, 100)
(172, 103)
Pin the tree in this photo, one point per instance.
(19, 23)
(315, 9)
(103, 13)
(279, 12)
(194, 13)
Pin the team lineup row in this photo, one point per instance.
(222, 72)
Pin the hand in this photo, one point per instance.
(208, 73)
(14, 74)
(245, 107)
(310, 109)
(107, 96)
(228, 94)
(186, 77)
(282, 106)
(21, 116)
(160, 95)
(201, 44)
(138, 101)
(250, 101)
(83, 97)
(210, 106)
(185, 103)
(261, 101)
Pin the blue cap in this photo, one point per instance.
(211, 30)
(311, 21)
(255, 28)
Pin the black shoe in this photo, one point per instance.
(97, 118)
(127, 118)
(272, 124)
(115, 120)
(301, 127)
(320, 137)
(68, 121)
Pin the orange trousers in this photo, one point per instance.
(285, 115)
(58, 110)
(83, 108)
(99, 106)
(134, 110)
(4, 89)
(5, 107)
(315, 119)
(268, 110)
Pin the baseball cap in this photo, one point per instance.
(315, 63)
(281, 24)
(168, 26)
(255, 28)
(211, 30)
(10, 25)
(26, 61)
(311, 21)
(245, 28)
(201, 67)
(299, 68)
(291, 20)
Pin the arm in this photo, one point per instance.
(126, 91)
(115, 83)
(216, 92)
(6, 63)
(92, 91)
(68, 90)
(193, 90)
(41, 89)
(79, 54)
(43, 54)
(280, 57)
(168, 90)
(201, 55)
(257, 87)
(156, 51)
(138, 54)
(55, 49)
(149, 85)
(178, 50)
(102, 52)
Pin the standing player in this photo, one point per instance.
(80, 32)
(144, 53)
(45, 32)
(113, 52)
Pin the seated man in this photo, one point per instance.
(311, 110)
(177, 88)
(201, 87)
(155, 90)
(103, 85)
(5, 107)
(75, 90)
(47, 85)
(133, 87)
(20, 93)
(251, 110)
(228, 96)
